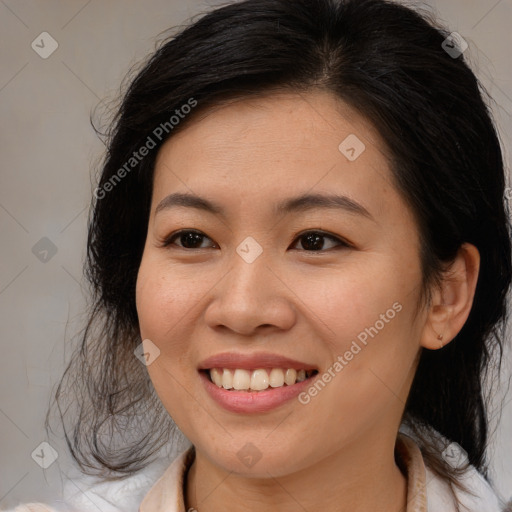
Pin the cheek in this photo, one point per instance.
(164, 299)
(161, 309)
(370, 361)
(366, 317)
(349, 302)
(163, 302)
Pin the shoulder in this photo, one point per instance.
(82, 493)
(90, 495)
(33, 507)
(480, 498)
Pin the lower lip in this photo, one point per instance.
(253, 401)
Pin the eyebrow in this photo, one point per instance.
(302, 203)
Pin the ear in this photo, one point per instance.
(452, 300)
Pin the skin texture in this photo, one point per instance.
(338, 449)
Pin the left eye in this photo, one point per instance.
(311, 240)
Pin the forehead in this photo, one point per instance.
(273, 144)
(313, 120)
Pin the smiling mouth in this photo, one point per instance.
(259, 379)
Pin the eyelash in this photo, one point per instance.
(169, 240)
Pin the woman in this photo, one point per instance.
(300, 232)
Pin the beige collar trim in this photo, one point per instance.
(410, 455)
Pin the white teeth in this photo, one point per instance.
(276, 378)
(259, 380)
(256, 380)
(216, 376)
(227, 379)
(290, 376)
(241, 379)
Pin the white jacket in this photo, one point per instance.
(154, 490)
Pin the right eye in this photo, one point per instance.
(188, 238)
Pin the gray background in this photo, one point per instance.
(48, 149)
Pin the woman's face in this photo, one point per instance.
(329, 282)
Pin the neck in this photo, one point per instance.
(354, 479)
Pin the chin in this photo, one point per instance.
(256, 459)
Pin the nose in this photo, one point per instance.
(251, 298)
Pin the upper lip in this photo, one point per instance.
(253, 361)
